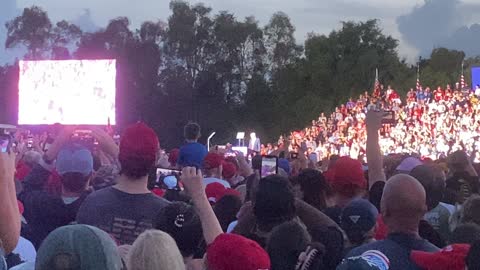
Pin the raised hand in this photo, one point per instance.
(193, 181)
(10, 224)
(105, 142)
(373, 120)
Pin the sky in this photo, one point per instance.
(419, 25)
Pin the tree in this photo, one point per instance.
(64, 35)
(227, 73)
(280, 41)
(443, 67)
(32, 29)
(344, 62)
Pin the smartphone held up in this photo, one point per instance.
(269, 166)
(6, 138)
(168, 179)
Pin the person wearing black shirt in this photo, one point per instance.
(45, 211)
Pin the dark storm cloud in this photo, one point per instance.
(442, 23)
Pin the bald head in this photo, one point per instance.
(403, 203)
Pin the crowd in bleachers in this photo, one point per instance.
(429, 123)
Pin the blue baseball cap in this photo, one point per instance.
(74, 158)
(359, 215)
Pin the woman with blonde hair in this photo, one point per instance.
(155, 250)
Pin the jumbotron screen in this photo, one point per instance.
(69, 92)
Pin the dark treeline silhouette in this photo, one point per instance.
(227, 73)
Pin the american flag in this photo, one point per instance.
(376, 87)
(463, 85)
(418, 86)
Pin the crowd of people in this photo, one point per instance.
(71, 201)
(429, 123)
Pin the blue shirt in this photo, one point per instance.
(192, 154)
(421, 95)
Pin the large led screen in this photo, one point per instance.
(69, 92)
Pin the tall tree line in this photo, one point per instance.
(229, 74)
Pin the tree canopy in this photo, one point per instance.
(227, 73)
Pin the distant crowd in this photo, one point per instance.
(429, 123)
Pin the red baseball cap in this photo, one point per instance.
(232, 192)
(235, 252)
(158, 191)
(450, 258)
(212, 161)
(215, 191)
(348, 172)
(139, 142)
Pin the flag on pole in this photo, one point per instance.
(463, 85)
(376, 87)
(418, 86)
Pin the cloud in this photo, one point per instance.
(85, 22)
(442, 23)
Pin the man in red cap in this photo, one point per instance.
(213, 167)
(348, 183)
(127, 209)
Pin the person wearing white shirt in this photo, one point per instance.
(477, 90)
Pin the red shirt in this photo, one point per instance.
(438, 95)
(418, 112)
(411, 96)
(448, 95)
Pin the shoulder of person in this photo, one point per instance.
(24, 266)
(94, 197)
(39, 199)
(159, 200)
(378, 245)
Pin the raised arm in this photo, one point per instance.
(192, 180)
(10, 216)
(106, 142)
(39, 174)
(59, 142)
(244, 168)
(374, 156)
